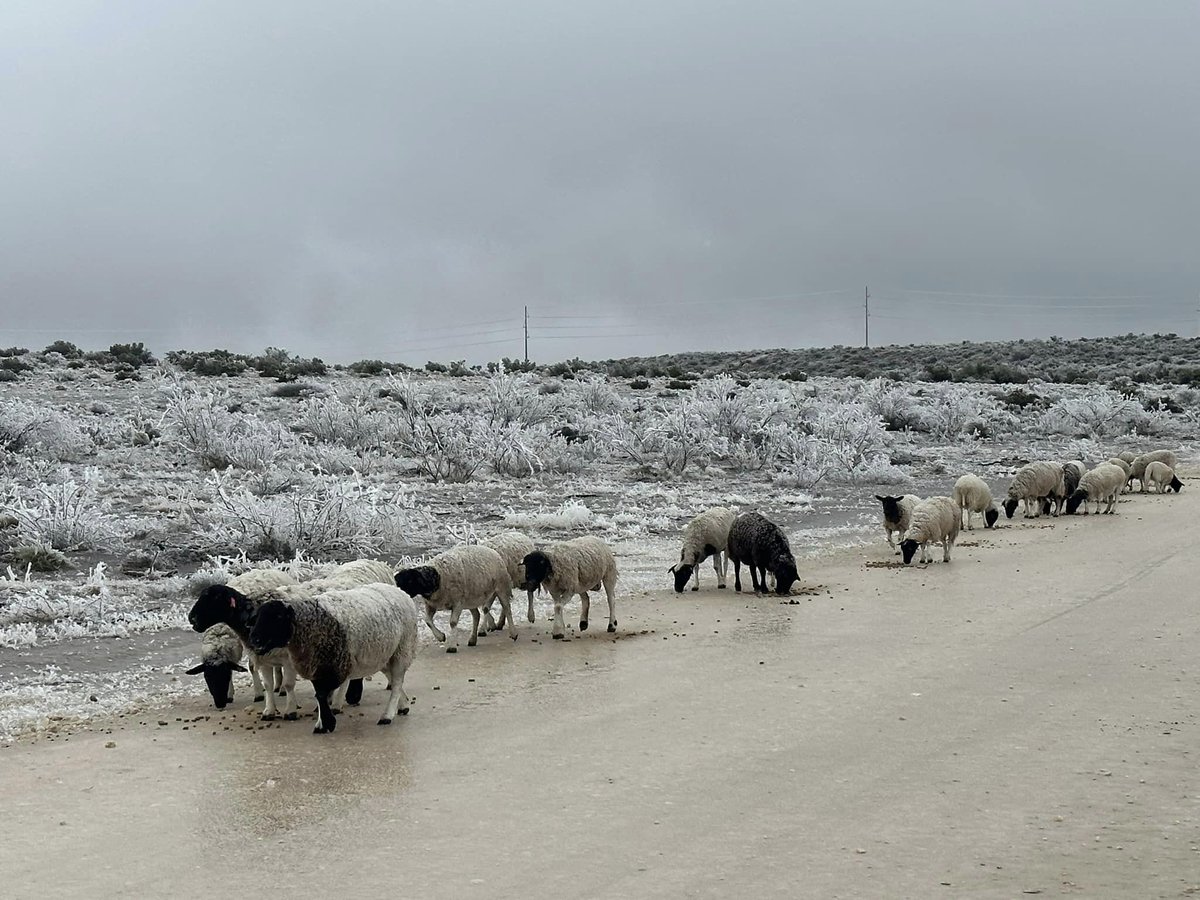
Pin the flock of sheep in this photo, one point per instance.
(362, 617)
(1041, 486)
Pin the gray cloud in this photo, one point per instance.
(397, 181)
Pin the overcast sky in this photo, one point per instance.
(396, 180)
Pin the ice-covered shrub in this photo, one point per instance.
(950, 412)
(41, 431)
(571, 515)
(37, 557)
(349, 422)
(219, 439)
(1095, 412)
(327, 517)
(892, 403)
(514, 397)
(63, 514)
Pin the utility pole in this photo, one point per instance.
(867, 316)
(526, 335)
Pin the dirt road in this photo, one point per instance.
(1023, 720)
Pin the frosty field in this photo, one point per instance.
(143, 490)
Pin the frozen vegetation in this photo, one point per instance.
(128, 485)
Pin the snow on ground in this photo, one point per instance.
(144, 491)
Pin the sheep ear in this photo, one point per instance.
(877, 497)
(671, 571)
(196, 670)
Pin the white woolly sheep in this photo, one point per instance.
(1099, 485)
(1162, 477)
(513, 547)
(1127, 456)
(934, 520)
(706, 535)
(466, 577)
(897, 515)
(567, 568)
(235, 603)
(971, 496)
(1117, 461)
(220, 656)
(1033, 483)
(343, 635)
(1138, 467)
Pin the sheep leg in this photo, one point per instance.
(326, 720)
(530, 614)
(737, 575)
(720, 564)
(586, 602)
(398, 701)
(257, 682)
(946, 545)
(890, 537)
(289, 692)
(506, 614)
(610, 590)
(755, 582)
(337, 701)
(557, 628)
(696, 577)
(474, 628)
(270, 710)
(452, 641)
(437, 632)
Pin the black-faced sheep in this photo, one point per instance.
(1099, 485)
(971, 496)
(1162, 477)
(343, 635)
(1031, 485)
(467, 577)
(567, 568)
(706, 535)
(1138, 466)
(935, 520)
(220, 656)
(760, 544)
(897, 515)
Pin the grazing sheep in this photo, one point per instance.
(897, 515)
(1127, 456)
(934, 520)
(972, 495)
(513, 547)
(235, 603)
(1138, 467)
(706, 535)
(1117, 461)
(343, 635)
(466, 577)
(1162, 477)
(1072, 472)
(1033, 483)
(1100, 485)
(758, 542)
(567, 568)
(220, 656)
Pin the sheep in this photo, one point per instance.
(466, 577)
(897, 515)
(1031, 484)
(1138, 466)
(1101, 484)
(758, 542)
(972, 495)
(706, 535)
(220, 656)
(343, 635)
(347, 575)
(935, 520)
(1117, 461)
(1127, 456)
(567, 568)
(1072, 472)
(1162, 476)
(513, 547)
(235, 604)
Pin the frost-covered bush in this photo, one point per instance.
(951, 412)
(327, 517)
(1095, 412)
(41, 431)
(892, 403)
(594, 395)
(348, 422)
(219, 439)
(63, 514)
(668, 440)
(571, 515)
(514, 397)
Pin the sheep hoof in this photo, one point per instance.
(320, 730)
(557, 637)
(470, 643)
(292, 716)
(269, 717)
(384, 722)
(404, 712)
(259, 698)
(696, 588)
(720, 587)
(583, 624)
(451, 649)
(612, 626)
